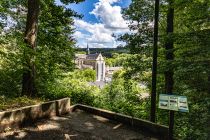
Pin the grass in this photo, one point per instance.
(13, 103)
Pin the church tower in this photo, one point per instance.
(100, 68)
(88, 50)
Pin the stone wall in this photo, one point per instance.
(25, 115)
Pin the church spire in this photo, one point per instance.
(88, 50)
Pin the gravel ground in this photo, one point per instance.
(78, 125)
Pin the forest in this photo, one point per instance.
(37, 51)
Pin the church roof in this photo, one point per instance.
(92, 56)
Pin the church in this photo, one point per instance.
(92, 61)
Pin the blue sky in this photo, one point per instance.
(102, 18)
(87, 6)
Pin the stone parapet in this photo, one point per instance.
(27, 115)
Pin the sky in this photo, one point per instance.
(101, 19)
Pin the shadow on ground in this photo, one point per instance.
(78, 125)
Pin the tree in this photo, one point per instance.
(183, 58)
(169, 45)
(187, 63)
(28, 83)
(139, 42)
(55, 38)
(154, 63)
(55, 50)
(52, 51)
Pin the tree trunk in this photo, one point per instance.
(169, 49)
(169, 82)
(28, 82)
(154, 64)
(209, 84)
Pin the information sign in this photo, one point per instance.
(173, 102)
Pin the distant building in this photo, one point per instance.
(110, 71)
(96, 62)
(99, 84)
(93, 61)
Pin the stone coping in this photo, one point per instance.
(26, 115)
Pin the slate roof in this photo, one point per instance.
(92, 56)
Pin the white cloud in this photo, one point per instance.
(109, 15)
(101, 38)
(78, 34)
(100, 34)
(91, 27)
(109, 1)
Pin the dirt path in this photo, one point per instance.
(78, 125)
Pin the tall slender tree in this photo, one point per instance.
(169, 45)
(28, 82)
(154, 64)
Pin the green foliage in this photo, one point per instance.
(140, 15)
(55, 43)
(88, 75)
(191, 126)
(10, 65)
(124, 97)
(73, 85)
(107, 52)
(191, 67)
(12, 103)
(54, 53)
(54, 61)
(53, 56)
(71, 1)
(116, 59)
(190, 64)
